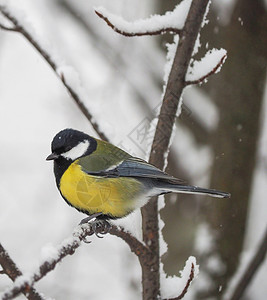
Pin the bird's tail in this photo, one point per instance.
(190, 189)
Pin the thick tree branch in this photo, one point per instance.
(167, 116)
(148, 253)
(20, 29)
(251, 269)
(13, 272)
(139, 249)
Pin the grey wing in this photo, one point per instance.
(136, 167)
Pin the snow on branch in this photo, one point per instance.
(172, 21)
(171, 103)
(24, 282)
(174, 288)
(77, 94)
(53, 255)
(13, 272)
(210, 64)
(7, 28)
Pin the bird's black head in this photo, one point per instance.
(71, 144)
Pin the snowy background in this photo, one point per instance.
(123, 82)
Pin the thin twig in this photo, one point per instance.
(19, 28)
(7, 28)
(251, 269)
(132, 34)
(13, 272)
(46, 267)
(213, 71)
(137, 247)
(190, 279)
(69, 248)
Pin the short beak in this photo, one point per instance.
(52, 156)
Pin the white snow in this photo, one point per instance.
(197, 45)
(25, 20)
(35, 105)
(20, 281)
(132, 224)
(205, 20)
(199, 69)
(163, 246)
(71, 76)
(172, 19)
(48, 253)
(171, 50)
(173, 286)
(31, 113)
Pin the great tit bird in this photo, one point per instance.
(98, 178)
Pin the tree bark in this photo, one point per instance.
(167, 116)
(238, 91)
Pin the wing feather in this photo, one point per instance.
(131, 167)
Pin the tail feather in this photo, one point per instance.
(190, 189)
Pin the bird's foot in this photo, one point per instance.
(99, 226)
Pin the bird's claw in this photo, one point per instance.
(99, 226)
(86, 240)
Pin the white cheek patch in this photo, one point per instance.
(77, 151)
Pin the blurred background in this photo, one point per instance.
(220, 142)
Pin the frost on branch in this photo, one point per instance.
(172, 21)
(210, 64)
(176, 287)
(67, 74)
(51, 256)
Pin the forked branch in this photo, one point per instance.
(68, 248)
(148, 253)
(13, 272)
(17, 27)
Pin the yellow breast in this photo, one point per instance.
(112, 196)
